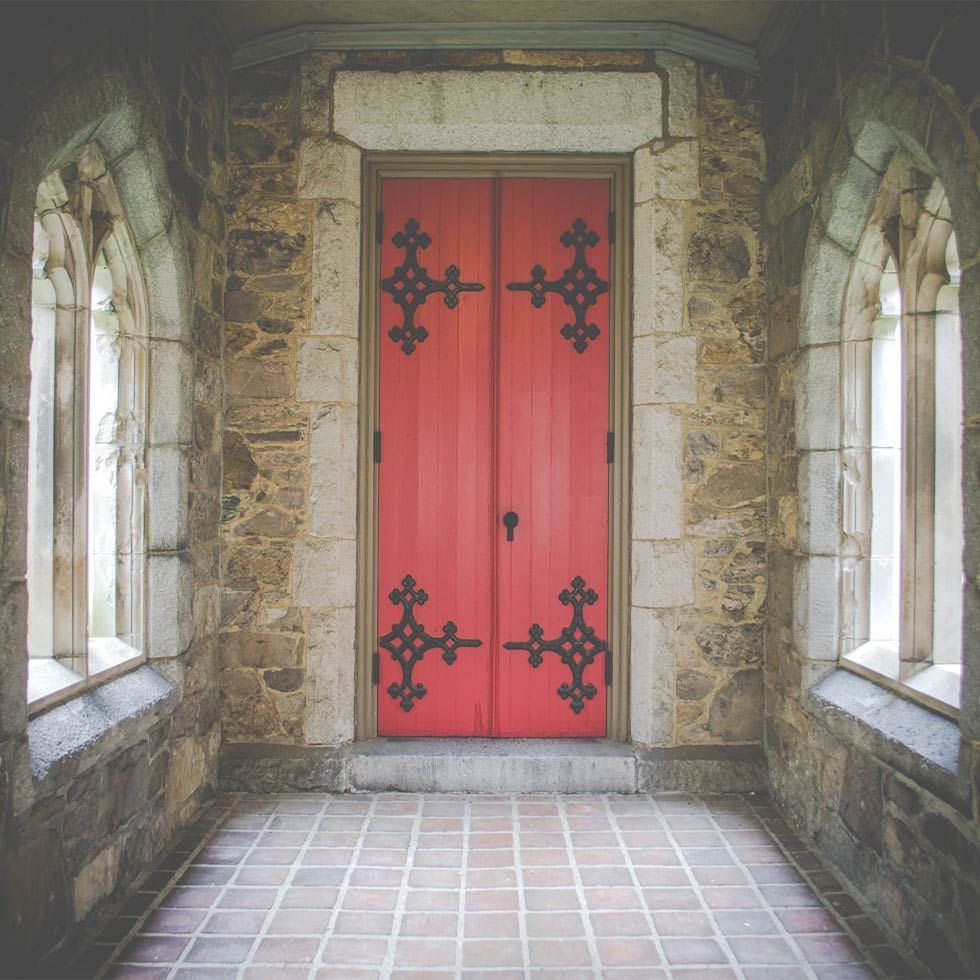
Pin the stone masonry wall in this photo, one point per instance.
(92, 791)
(889, 791)
(291, 308)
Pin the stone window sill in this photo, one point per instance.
(50, 682)
(936, 686)
(921, 744)
(71, 737)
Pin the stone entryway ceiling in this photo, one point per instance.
(263, 30)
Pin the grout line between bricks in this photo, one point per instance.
(692, 878)
(120, 946)
(757, 891)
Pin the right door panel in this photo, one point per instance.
(552, 394)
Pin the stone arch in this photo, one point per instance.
(103, 105)
(887, 110)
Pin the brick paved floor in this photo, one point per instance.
(401, 885)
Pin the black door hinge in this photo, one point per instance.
(612, 227)
(379, 227)
(609, 667)
(375, 668)
(377, 447)
(610, 447)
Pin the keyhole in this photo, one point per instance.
(510, 522)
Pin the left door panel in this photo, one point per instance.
(435, 411)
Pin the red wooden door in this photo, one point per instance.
(553, 420)
(493, 403)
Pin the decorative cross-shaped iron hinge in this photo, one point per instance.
(578, 646)
(410, 285)
(580, 286)
(408, 642)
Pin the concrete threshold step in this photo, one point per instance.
(483, 765)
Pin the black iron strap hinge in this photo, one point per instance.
(377, 447)
(609, 667)
(612, 227)
(375, 667)
(610, 447)
(379, 227)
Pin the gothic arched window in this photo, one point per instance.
(86, 434)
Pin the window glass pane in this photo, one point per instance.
(886, 463)
(948, 595)
(103, 400)
(40, 464)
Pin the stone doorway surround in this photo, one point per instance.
(693, 502)
(474, 112)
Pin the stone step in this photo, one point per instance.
(483, 765)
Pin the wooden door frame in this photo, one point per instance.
(618, 169)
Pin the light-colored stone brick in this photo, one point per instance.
(816, 607)
(329, 170)
(336, 270)
(651, 676)
(326, 370)
(682, 93)
(820, 502)
(657, 459)
(825, 273)
(168, 476)
(670, 173)
(658, 264)
(664, 370)
(330, 676)
(333, 471)
(170, 602)
(816, 386)
(171, 383)
(663, 573)
(314, 90)
(324, 572)
(597, 112)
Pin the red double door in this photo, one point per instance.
(493, 450)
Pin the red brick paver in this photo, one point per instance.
(418, 886)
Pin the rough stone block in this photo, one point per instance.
(333, 471)
(595, 112)
(816, 388)
(326, 370)
(670, 173)
(658, 268)
(664, 370)
(336, 270)
(249, 378)
(662, 573)
(820, 502)
(736, 712)
(330, 170)
(170, 602)
(816, 630)
(187, 773)
(330, 693)
(324, 572)
(657, 502)
(651, 676)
